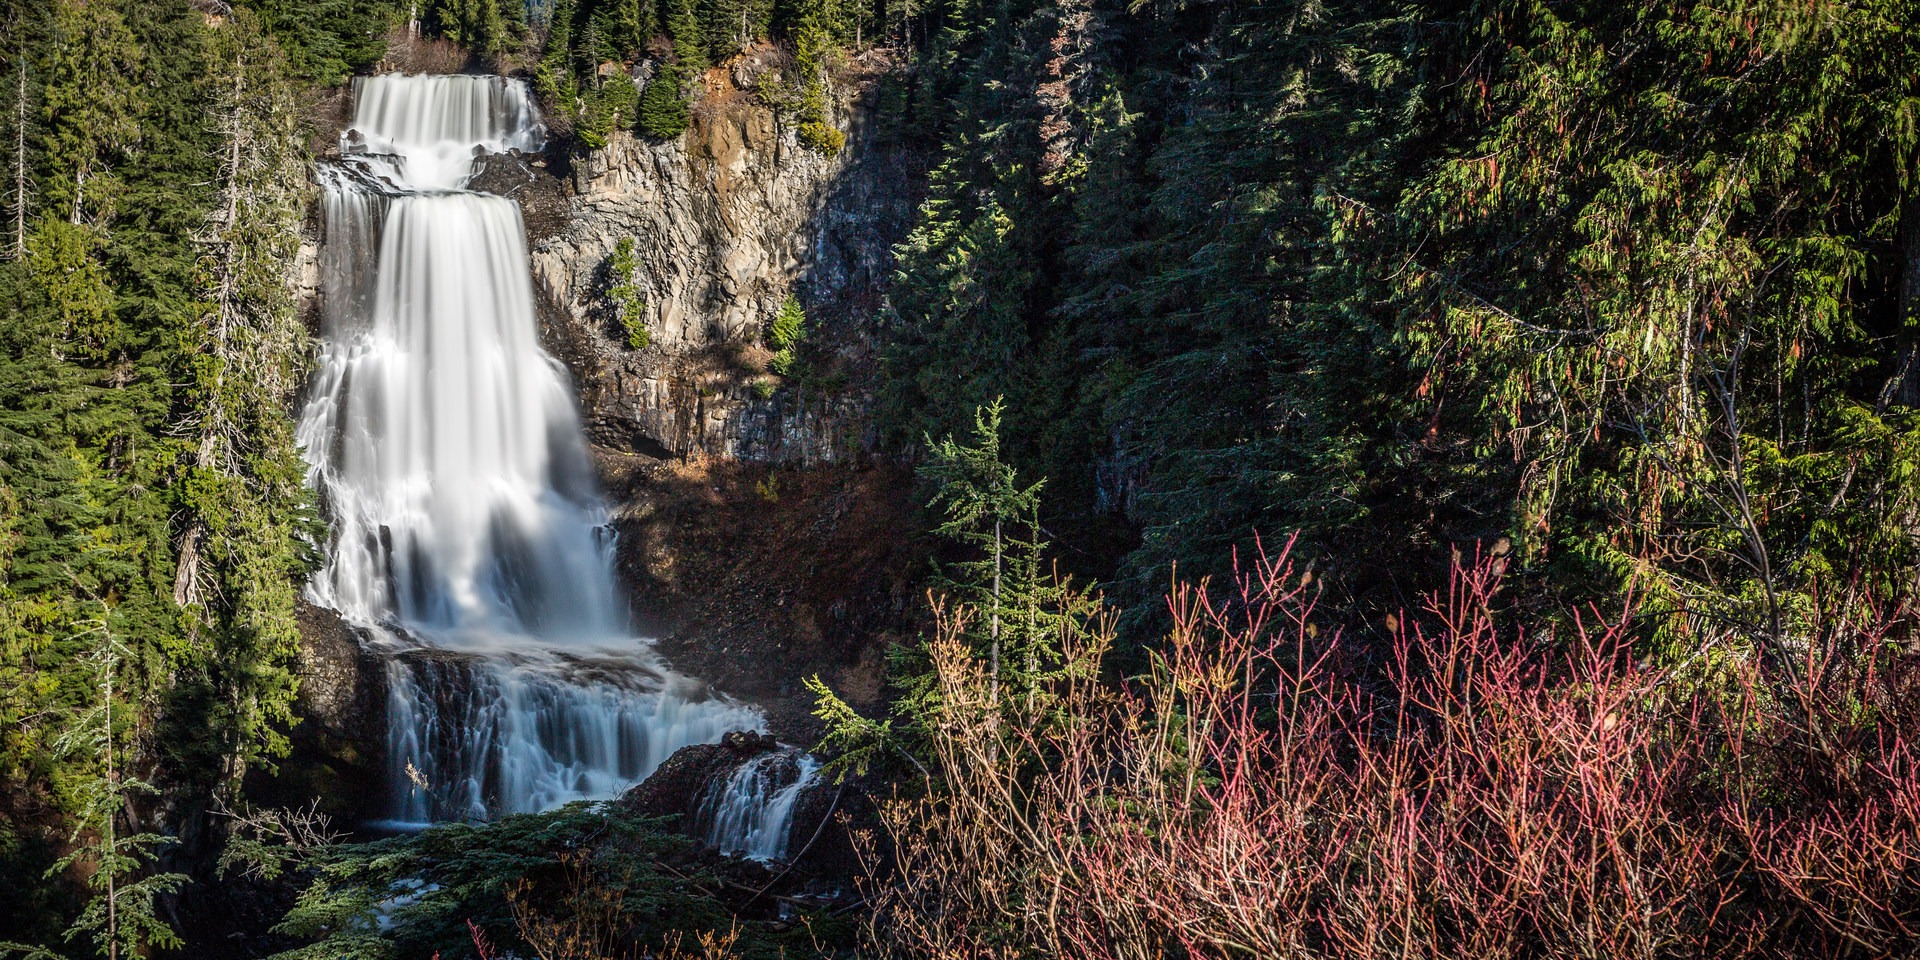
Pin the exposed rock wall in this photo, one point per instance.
(339, 744)
(726, 222)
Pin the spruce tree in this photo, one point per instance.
(91, 106)
(612, 106)
(689, 39)
(122, 918)
(633, 26)
(983, 505)
(22, 112)
(553, 77)
(246, 505)
(726, 25)
(663, 110)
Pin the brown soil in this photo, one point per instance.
(756, 578)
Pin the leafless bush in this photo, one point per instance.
(409, 52)
(261, 843)
(589, 920)
(1496, 796)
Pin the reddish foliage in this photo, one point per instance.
(1497, 796)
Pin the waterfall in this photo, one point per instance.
(468, 537)
(750, 813)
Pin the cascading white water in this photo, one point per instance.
(751, 812)
(467, 534)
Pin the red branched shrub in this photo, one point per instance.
(1497, 795)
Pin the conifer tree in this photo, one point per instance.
(20, 119)
(633, 26)
(1005, 602)
(553, 77)
(984, 506)
(812, 42)
(624, 294)
(689, 39)
(663, 110)
(725, 24)
(246, 502)
(91, 104)
(120, 919)
(611, 106)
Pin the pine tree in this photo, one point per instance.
(984, 506)
(610, 107)
(663, 110)
(689, 39)
(725, 25)
(91, 103)
(20, 123)
(812, 43)
(245, 498)
(633, 26)
(121, 917)
(553, 78)
(624, 294)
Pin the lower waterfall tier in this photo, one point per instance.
(474, 738)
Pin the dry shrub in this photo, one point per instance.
(409, 52)
(1496, 795)
(590, 920)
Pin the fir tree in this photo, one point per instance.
(984, 506)
(689, 39)
(663, 110)
(20, 126)
(91, 105)
(245, 497)
(610, 107)
(725, 25)
(624, 294)
(633, 26)
(122, 917)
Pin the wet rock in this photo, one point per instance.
(343, 691)
(674, 789)
(338, 742)
(820, 842)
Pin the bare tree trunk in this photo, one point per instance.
(999, 551)
(186, 575)
(113, 913)
(20, 154)
(1908, 393)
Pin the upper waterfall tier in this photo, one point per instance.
(438, 125)
(443, 440)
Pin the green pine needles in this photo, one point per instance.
(629, 307)
(789, 327)
(663, 109)
(1003, 608)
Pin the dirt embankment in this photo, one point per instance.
(757, 577)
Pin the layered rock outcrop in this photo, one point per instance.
(726, 222)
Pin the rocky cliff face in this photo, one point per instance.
(726, 222)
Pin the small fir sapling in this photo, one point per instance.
(628, 305)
